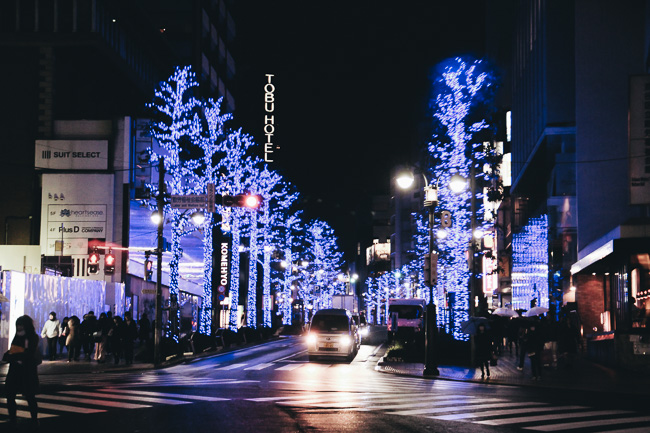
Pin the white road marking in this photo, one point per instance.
(122, 396)
(594, 423)
(260, 366)
(552, 417)
(170, 395)
(93, 402)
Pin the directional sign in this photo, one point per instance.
(192, 201)
(211, 197)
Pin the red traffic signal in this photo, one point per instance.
(109, 263)
(93, 262)
(251, 201)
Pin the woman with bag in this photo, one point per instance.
(23, 356)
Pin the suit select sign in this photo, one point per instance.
(71, 154)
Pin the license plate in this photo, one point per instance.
(329, 345)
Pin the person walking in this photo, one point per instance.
(88, 328)
(128, 338)
(51, 333)
(116, 335)
(483, 342)
(63, 333)
(101, 336)
(24, 358)
(72, 342)
(144, 333)
(534, 347)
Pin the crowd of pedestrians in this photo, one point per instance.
(95, 338)
(539, 340)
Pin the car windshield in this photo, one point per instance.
(406, 311)
(329, 323)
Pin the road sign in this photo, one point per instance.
(192, 201)
(211, 205)
(221, 297)
(221, 289)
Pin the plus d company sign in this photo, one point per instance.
(72, 154)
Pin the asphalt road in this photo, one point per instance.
(273, 387)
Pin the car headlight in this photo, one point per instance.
(345, 341)
(364, 332)
(311, 339)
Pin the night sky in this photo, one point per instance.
(352, 91)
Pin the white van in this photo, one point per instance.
(333, 333)
(406, 318)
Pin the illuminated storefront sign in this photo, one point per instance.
(269, 119)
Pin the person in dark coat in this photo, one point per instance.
(116, 336)
(534, 347)
(88, 328)
(63, 333)
(103, 327)
(483, 342)
(128, 339)
(72, 341)
(23, 359)
(144, 333)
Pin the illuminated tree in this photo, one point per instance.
(462, 85)
(176, 127)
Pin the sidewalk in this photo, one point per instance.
(585, 375)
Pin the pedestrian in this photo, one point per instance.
(88, 328)
(483, 342)
(100, 337)
(51, 333)
(568, 340)
(115, 336)
(144, 333)
(72, 342)
(128, 337)
(522, 337)
(534, 347)
(63, 333)
(24, 358)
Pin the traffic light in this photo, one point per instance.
(93, 262)
(109, 263)
(148, 268)
(251, 201)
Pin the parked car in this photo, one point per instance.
(333, 333)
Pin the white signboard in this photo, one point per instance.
(71, 154)
(193, 201)
(75, 208)
(70, 230)
(76, 212)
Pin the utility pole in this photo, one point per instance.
(160, 200)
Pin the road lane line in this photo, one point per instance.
(61, 407)
(316, 398)
(441, 406)
(594, 423)
(260, 366)
(122, 396)
(494, 413)
(289, 367)
(93, 402)
(170, 395)
(549, 417)
(231, 367)
(25, 414)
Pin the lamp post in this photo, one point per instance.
(404, 181)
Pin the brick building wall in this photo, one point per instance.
(590, 298)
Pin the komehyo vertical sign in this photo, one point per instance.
(269, 118)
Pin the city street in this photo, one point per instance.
(272, 387)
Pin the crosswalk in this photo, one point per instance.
(101, 400)
(492, 411)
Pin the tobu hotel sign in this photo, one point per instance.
(71, 154)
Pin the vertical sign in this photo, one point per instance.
(211, 206)
(269, 119)
(639, 139)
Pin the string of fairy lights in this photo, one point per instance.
(189, 126)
